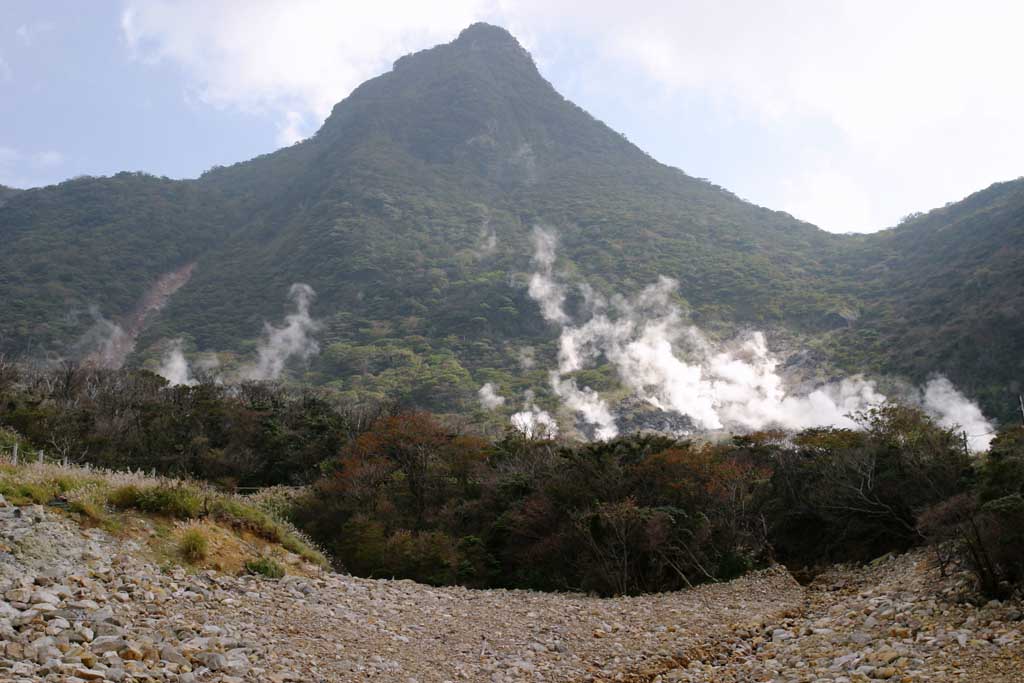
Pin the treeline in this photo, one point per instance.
(411, 498)
(249, 435)
(405, 494)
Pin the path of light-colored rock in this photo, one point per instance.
(82, 606)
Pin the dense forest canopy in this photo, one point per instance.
(397, 493)
(410, 214)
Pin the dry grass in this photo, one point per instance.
(97, 495)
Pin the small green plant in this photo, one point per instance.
(124, 497)
(264, 566)
(27, 493)
(87, 508)
(193, 545)
(180, 502)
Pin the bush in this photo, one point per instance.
(264, 566)
(193, 545)
(180, 501)
(851, 496)
(983, 528)
(27, 493)
(125, 497)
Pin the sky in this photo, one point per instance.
(849, 115)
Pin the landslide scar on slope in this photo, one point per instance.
(117, 349)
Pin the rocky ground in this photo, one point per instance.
(79, 605)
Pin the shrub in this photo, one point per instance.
(843, 495)
(264, 566)
(181, 502)
(26, 492)
(89, 507)
(125, 497)
(243, 516)
(193, 545)
(984, 528)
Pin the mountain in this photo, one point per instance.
(6, 193)
(943, 292)
(411, 213)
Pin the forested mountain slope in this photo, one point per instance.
(410, 213)
(6, 193)
(944, 292)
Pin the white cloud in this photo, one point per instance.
(17, 166)
(27, 33)
(48, 159)
(6, 74)
(293, 58)
(920, 95)
(291, 130)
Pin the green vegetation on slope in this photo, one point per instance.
(410, 214)
(406, 494)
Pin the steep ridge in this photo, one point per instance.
(86, 250)
(6, 193)
(410, 214)
(943, 292)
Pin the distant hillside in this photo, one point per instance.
(943, 292)
(6, 193)
(410, 213)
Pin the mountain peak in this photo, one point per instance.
(482, 33)
(494, 43)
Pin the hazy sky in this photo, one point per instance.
(846, 114)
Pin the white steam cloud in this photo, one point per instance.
(174, 366)
(105, 344)
(280, 344)
(588, 404)
(527, 357)
(487, 243)
(533, 422)
(489, 397)
(952, 409)
(675, 367)
(543, 287)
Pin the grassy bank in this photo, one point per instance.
(100, 495)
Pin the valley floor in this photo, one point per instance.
(81, 605)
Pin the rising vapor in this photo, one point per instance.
(534, 422)
(674, 366)
(543, 287)
(276, 348)
(279, 344)
(105, 344)
(489, 397)
(174, 366)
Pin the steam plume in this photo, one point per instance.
(489, 397)
(543, 287)
(105, 344)
(279, 344)
(174, 366)
(675, 367)
(534, 422)
(588, 404)
(953, 410)
(487, 243)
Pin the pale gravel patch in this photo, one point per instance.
(845, 627)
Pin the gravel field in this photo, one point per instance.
(79, 605)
